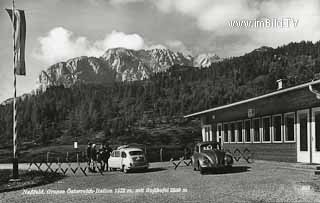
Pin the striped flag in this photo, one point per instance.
(19, 27)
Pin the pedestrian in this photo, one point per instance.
(106, 155)
(89, 156)
(100, 157)
(109, 151)
(94, 157)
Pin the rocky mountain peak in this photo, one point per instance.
(117, 64)
(205, 60)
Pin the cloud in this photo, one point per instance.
(210, 15)
(119, 39)
(178, 46)
(213, 16)
(61, 44)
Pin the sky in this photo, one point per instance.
(58, 30)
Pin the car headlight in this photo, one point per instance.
(206, 160)
(228, 159)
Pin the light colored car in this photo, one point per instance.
(128, 158)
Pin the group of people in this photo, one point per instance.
(98, 156)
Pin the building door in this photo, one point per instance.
(303, 136)
(315, 135)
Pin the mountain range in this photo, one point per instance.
(118, 64)
(149, 111)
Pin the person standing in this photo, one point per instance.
(89, 157)
(94, 157)
(108, 151)
(100, 155)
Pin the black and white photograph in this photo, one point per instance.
(189, 101)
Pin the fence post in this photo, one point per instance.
(48, 157)
(161, 159)
(67, 158)
(77, 158)
(83, 158)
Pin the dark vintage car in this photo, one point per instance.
(209, 155)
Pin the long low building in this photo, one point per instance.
(283, 125)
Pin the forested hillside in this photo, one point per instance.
(151, 111)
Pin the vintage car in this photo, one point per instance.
(209, 155)
(127, 158)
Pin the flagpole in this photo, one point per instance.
(15, 169)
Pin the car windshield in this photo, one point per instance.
(135, 153)
(209, 146)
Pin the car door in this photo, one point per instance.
(111, 160)
(115, 159)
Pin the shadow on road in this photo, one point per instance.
(28, 179)
(149, 170)
(234, 169)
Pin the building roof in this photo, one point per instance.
(254, 98)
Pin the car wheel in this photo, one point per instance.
(198, 166)
(193, 165)
(201, 170)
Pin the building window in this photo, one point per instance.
(256, 129)
(219, 132)
(276, 124)
(266, 130)
(206, 133)
(225, 132)
(232, 132)
(239, 132)
(247, 127)
(289, 127)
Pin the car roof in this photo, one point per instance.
(131, 149)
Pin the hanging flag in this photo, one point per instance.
(19, 28)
